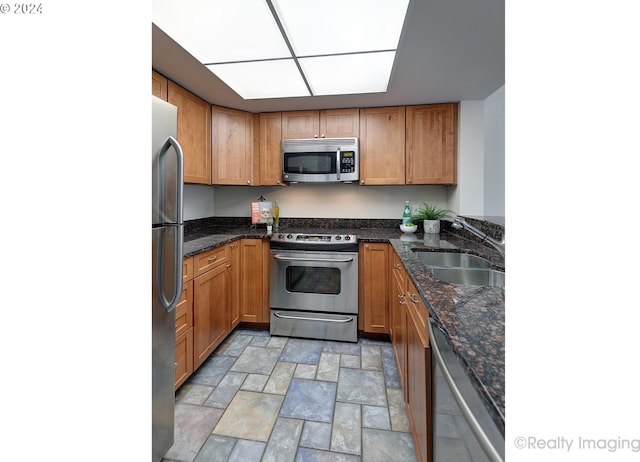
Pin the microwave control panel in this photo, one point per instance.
(347, 162)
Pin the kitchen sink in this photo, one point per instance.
(471, 276)
(452, 259)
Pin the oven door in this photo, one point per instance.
(317, 281)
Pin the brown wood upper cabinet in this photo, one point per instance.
(270, 156)
(330, 123)
(382, 146)
(194, 133)
(432, 144)
(159, 85)
(234, 148)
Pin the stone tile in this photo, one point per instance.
(277, 343)
(254, 360)
(196, 394)
(390, 367)
(247, 451)
(216, 449)
(283, 443)
(371, 358)
(254, 382)
(314, 455)
(351, 361)
(212, 370)
(302, 351)
(397, 410)
(344, 348)
(361, 387)
(249, 416)
(347, 423)
(280, 378)
(309, 400)
(376, 417)
(305, 371)
(384, 446)
(193, 425)
(236, 347)
(328, 367)
(260, 341)
(226, 390)
(316, 435)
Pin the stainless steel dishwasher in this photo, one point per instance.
(463, 429)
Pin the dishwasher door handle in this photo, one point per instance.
(475, 426)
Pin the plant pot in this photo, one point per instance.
(431, 226)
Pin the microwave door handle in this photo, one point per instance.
(338, 164)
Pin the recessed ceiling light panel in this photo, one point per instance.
(342, 26)
(349, 74)
(262, 79)
(222, 30)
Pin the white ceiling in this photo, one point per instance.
(451, 50)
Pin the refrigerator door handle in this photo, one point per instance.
(169, 305)
(173, 143)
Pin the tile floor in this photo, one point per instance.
(264, 398)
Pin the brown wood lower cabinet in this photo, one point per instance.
(410, 341)
(253, 267)
(184, 326)
(212, 298)
(373, 290)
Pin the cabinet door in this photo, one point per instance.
(159, 85)
(300, 124)
(234, 284)
(432, 142)
(340, 123)
(184, 357)
(382, 146)
(210, 312)
(194, 133)
(251, 289)
(397, 304)
(231, 147)
(270, 151)
(419, 384)
(373, 260)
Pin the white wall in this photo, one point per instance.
(480, 189)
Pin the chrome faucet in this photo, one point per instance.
(460, 223)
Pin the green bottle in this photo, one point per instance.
(406, 215)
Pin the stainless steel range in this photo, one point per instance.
(314, 286)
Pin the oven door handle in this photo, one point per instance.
(324, 260)
(306, 318)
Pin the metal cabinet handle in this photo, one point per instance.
(401, 298)
(396, 266)
(411, 297)
(214, 258)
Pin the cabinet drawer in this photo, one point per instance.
(205, 261)
(184, 309)
(397, 269)
(187, 269)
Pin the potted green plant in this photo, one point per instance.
(431, 216)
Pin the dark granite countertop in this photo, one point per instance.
(473, 317)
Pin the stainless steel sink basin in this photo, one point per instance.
(455, 259)
(471, 276)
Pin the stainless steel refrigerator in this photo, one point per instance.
(167, 231)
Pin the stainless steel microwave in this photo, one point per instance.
(320, 160)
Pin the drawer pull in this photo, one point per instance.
(413, 299)
(401, 298)
(396, 266)
(214, 258)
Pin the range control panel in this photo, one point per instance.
(318, 239)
